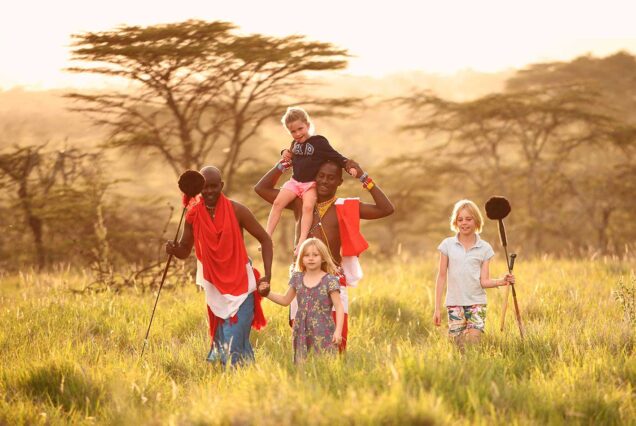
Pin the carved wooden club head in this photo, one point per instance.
(191, 183)
(497, 208)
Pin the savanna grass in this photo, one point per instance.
(74, 358)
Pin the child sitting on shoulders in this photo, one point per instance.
(306, 154)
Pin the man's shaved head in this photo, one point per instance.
(211, 172)
(213, 185)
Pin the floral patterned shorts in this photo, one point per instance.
(461, 318)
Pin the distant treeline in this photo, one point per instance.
(559, 142)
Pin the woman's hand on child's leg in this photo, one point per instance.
(337, 338)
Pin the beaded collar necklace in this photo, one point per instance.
(324, 206)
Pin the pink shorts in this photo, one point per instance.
(298, 188)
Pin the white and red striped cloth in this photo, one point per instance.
(352, 244)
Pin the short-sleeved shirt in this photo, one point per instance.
(310, 155)
(464, 270)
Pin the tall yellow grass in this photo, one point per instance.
(75, 358)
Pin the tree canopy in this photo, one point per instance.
(201, 90)
(532, 145)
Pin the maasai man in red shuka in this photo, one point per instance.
(214, 226)
(336, 221)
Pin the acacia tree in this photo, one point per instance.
(602, 185)
(201, 91)
(41, 184)
(612, 77)
(519, 143)
(417, 184)
(16, 170)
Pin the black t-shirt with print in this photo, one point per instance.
(309, 156)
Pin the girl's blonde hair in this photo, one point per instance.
(327, 265)
(472, 208)
(297, 114)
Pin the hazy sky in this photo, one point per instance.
(393, 35)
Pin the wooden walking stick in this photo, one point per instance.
(497, 208)
(190, 183)
(511, 265)
(514, 299)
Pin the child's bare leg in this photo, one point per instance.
(457, 339)
(283, 198)
(471, 336)
(309, 202)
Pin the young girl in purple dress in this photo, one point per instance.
(317, 289)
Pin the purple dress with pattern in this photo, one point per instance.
(313, 326)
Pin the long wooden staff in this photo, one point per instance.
(163, 278)
(514, 297)
(191, 183)
(497, 208)
(511, 265)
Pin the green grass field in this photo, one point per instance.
(70, 358)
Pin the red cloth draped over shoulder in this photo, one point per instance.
(219, 246)
(352, 242)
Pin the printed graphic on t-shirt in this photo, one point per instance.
(303, 149)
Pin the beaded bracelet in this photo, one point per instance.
(368, 184)
(364, 176)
